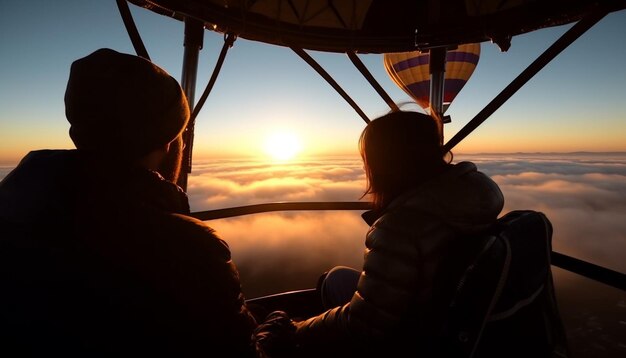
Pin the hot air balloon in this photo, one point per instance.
(410, 71)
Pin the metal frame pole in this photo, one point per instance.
(194, 37)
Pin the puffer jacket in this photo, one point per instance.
(100, 260)
(409, 268)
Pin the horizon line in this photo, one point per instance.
(11, 163)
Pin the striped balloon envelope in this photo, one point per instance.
(410, 71)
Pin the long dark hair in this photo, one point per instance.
(400, 150)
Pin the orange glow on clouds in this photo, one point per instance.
(301, 245)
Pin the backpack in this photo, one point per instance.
(504, 304)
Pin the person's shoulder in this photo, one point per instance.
(464, 167)
(193, 224)
(48, 158)
(196, 233)
(43, 171)
(461, 194)
(466, 172)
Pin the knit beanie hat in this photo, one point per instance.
(123, 104)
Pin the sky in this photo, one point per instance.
(574, 104)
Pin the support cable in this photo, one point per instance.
(229, 39)
(316, 66)
(368, 76)
(589, 270)
(135, 38)
(563, 42)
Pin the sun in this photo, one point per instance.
(282, 146)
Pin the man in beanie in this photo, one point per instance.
(97, 254)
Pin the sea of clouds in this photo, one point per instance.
(583, 194)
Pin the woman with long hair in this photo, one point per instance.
(423, 207)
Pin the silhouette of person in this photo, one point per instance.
(98, 254)
(423, 206)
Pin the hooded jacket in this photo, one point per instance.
(101, 260)
(412, 261)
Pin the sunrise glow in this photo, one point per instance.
(282, 146)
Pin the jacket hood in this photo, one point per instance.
(462, 196)
(40, 187)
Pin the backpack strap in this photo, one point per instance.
(476, 296)
(496, 294)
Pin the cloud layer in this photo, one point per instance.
(583, 194)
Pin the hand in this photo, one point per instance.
(276, 334)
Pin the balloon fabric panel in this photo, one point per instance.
(410, 72)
